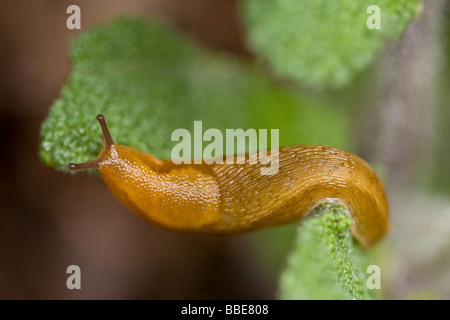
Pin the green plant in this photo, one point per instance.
(321, 43)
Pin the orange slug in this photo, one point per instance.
(235, 198)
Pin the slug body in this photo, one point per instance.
(235, 198)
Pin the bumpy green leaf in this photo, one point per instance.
(148, 80)
(325, 263)
(322, 42)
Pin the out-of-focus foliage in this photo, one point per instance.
(438, 175)
(322, 43)
(148, 80)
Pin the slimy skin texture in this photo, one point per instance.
(236, 198)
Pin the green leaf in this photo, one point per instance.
(149, 80)
(325, 263)
(322, 43)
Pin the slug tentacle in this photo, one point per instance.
(93, 164)
(108, 140)
(235, 198)
(108, 143)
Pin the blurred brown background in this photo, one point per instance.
(42, 232)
